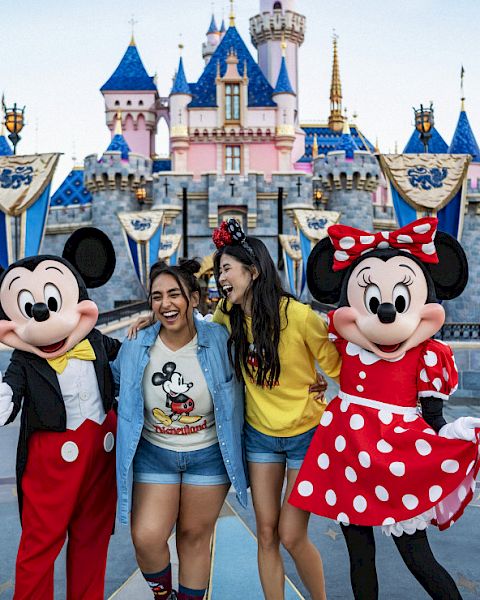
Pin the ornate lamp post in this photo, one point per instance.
(317, 197)
(424, 122)
(14, 122)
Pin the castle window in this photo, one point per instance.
(232, 159)
(129, 103)
(140, 103)
(232, 102)
(277, 6)
(117, 102)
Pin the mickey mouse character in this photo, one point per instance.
(174, 386)
(374, 459)
(60, 373)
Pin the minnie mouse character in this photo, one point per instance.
(60, 372)
(374, 459)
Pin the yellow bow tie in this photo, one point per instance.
(83, 351)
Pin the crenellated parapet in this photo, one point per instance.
(112, 172)
(336, 172)
(272, 25)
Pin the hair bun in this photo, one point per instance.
(191, 265)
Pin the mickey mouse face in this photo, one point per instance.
(388, 311)
(43, 308)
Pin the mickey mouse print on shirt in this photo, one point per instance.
(174, 386)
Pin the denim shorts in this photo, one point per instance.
(262, 448)
(153, 464)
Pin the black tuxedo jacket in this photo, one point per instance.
(37, 392)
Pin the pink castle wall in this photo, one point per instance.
(263, 159)
(138, 139)
(202, 158)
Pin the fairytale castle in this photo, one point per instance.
(238, 147)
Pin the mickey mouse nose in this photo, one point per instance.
(40, 311)
(386, 312)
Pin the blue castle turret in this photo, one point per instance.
(463, 141)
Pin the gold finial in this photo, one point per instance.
(133, 23)
(377, 148)
(232, 15)
(315, 146)
(335, 120)
(118, 124)
(346, 126)
(284, 44)
(180, 47)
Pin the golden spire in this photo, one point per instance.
(232, 15)
(132, 23)
(335, 120)
(315, 146)
(118, 124)
(284, 44)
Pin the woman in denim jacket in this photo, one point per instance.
(179, 439)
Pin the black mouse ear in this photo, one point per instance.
(324, 283)
(450, 274)
(91, 252)
(159, 379)
(169, 368)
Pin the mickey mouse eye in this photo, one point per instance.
(25, 303)
(53, 298)
(372, 298)
(401, 297)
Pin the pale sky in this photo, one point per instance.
(56, 54)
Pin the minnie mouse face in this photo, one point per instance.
(387, 310)
(42, 306)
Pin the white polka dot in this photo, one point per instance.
(410, 501)
(344, 404)
(326, 418)
(462, 493)
(388, 521)
(323, 461)
(385, 416)
(399, 429)
(430, 358)
(109, 442)
(362, 375)
(381, 493)
(385, 234)
(470, 467)
(305, 488)
(450, 466)
(367, 239)
(445, 374)
(423, 447)
(404, 239)
(341, 255)
(340, 443)
(331, 498)
(343, 518)
(346, 243)
(357, 422)
(350, 474)
(397, 468)
(382, 245)
(360, 504)
(434, 493)
(428, 248)
(437, 383)
(364, 459)
(360, 388)
(424, 376)
(423, 228)
(430, 431)
(384, 447)
(410, 418)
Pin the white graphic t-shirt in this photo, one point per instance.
(179, 412)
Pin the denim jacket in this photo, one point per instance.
(225, 389)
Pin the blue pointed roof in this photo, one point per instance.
(223, 29)
(328, 140)
(119, 144)
(130, 75)
(436, 144)
(71, 191)
(283, 82)
(213, 26)
(204, 92)
(463, 141)
(5, 149)
(346, 143)
(180, 85)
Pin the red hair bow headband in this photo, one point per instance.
(230, 233)
(416, 238)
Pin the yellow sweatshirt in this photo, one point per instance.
(289, 409)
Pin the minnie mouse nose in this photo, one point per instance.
(40, 311)
(386, 312)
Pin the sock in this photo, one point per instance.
(160, 583)
(185, 593)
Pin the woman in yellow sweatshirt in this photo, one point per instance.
(273, 345)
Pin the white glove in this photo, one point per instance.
(462, 428)
(6, 404)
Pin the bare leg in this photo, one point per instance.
(266, 480)
(199, 510)
(293, 529)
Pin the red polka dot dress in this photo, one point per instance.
(373, 459)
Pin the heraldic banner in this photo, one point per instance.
(428, 185)
(168, 250)
(312, 226)
(24, 197)
(142, 231)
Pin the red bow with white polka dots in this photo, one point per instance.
(415, 238)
